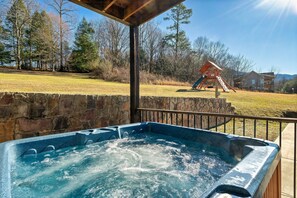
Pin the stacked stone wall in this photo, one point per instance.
(25, 115)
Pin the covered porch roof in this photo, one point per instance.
(132, 13)
(129, 12)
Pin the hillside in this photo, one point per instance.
(280, 77)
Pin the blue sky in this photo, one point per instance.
(265, 31)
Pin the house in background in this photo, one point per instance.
(255, 81)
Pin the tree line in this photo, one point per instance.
(32, 38)
(286, 86)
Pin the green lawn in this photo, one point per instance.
(246, 103)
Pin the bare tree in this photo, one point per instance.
(200, 45)
(219, 53)
(275, 70)
(236, 66)
(65, 12)
(150, 41)
(113, 40)
(55, 47)
(239, 64)
(209, 50)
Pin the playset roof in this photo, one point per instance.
(208, 65)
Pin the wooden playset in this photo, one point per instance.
(211, 75)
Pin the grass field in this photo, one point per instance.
(245, 102)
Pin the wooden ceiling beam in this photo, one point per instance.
(134, 7)
(107, 7)
(115, 12)
(108, 4)
(134, 14)
(99, 5)
(162, 6)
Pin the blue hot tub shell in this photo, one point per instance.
(249, 178)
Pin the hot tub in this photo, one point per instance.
(140, 160)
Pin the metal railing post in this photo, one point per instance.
(295, 140)
(146, 115)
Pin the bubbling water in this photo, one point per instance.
(143, 165)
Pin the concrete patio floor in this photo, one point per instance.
(287, 160)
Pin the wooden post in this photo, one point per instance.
(217, 93)
(134, 74)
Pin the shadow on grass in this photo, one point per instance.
(192, 90)
(46, 73)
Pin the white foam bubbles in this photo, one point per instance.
(142, 165)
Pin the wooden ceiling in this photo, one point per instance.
(129, 12)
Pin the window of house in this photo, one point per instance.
(253, 81)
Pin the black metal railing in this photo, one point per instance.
(268, 128)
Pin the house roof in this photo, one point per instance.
(253, 72)
(129, 12)
(268, 75)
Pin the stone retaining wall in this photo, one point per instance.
(27, 114)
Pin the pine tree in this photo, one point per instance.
(50, 46)
(66, 54)
(40, 44)
(17, 21)
(85, 51)
(31, 38)
(4, 54)
(177, 39)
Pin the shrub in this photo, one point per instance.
(102, 69)
(290, 86)
(105, 71)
